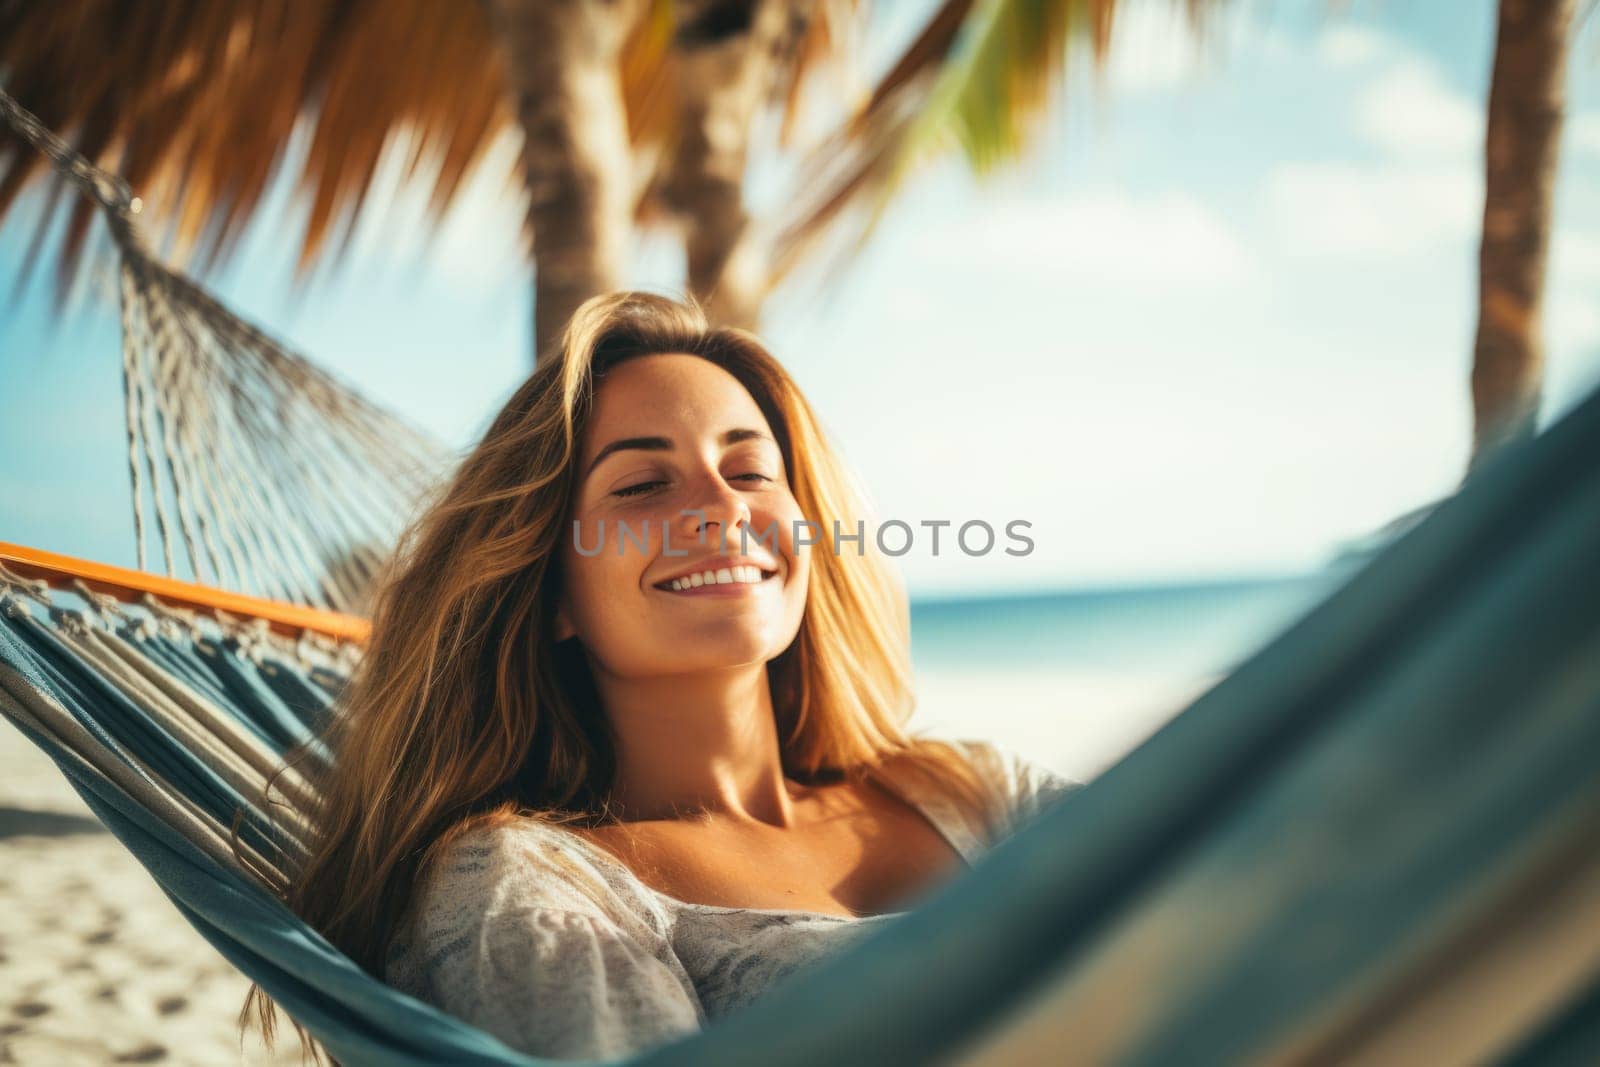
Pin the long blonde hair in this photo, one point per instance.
(450, 722)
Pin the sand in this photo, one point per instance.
(1075, 722)
(96, 965)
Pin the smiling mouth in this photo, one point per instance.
(726, 576)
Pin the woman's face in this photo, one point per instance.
(676, 455)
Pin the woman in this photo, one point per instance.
(626, 748)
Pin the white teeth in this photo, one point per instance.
(746, 575)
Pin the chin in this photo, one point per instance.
(711, 653)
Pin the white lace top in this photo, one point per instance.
(503, 937)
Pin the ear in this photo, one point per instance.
(563, 622)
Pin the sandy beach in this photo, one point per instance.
(96, 965)
(1075, 722)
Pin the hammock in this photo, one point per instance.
(264, 473)
(1379, 836)
(1375, 840)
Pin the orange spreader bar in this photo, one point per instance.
(124, 584)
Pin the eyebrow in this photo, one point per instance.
(664, 444)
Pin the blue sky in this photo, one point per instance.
(1219, 322)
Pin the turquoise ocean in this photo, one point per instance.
(1075, 679)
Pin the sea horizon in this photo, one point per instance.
(1076, 678)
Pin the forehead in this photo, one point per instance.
(668, 395)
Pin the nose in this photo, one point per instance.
(719, 505)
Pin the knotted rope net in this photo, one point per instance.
(263, 473)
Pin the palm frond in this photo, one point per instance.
(647, 77)
(824, 38)
(195, 102)
(979, 77)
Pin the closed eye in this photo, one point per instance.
(637, 490)
(645, 487)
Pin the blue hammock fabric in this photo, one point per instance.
(1365, 810)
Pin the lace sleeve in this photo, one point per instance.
(560, 984)
(1026, 786)
(494, 945)
(1037, 788)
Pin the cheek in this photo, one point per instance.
(603, 586)
(790, 520)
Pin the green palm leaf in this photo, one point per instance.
(979, 78)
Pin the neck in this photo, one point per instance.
(701, 746)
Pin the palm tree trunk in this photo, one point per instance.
(1524, 130)
(726, 67)
(561, 67)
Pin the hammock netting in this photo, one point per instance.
(262, 473)
(1376, 840)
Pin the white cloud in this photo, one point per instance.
(1357, 209)
(907, 303)
(1410, 112)
(1575, 256)
(1582, 135)
(1342, 44)
(1572, 318)
(1104, 235)
(1417, 184)
(1572, 344)
(1573, 321)
(1275, 43)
